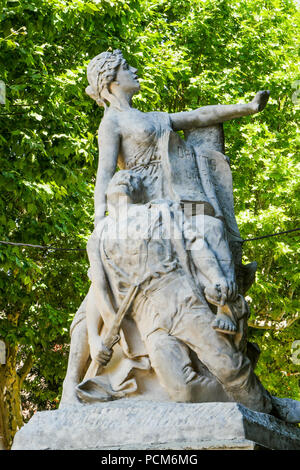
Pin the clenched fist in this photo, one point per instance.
(99, 352)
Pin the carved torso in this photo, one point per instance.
(141, 146)
(137, 242)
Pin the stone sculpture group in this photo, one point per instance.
(165, 318)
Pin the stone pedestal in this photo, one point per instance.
(132, 424)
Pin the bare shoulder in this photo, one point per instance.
(109, 124)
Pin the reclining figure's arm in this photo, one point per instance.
(99, 307)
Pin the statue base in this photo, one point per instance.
(127, 424)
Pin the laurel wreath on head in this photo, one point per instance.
(101, 72)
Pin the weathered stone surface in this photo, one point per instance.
(136, 424)
(165, 256)
(167, 287)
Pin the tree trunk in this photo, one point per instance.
(11, 418)
(2, 446)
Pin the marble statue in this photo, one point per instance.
(165, 318)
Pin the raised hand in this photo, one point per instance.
(260, 100)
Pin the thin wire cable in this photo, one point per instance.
(42, 247)
(271, 235)
(52, 248)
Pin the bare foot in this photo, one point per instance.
(223, 324)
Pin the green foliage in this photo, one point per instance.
(189, 53)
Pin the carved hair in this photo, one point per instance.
(101, 71)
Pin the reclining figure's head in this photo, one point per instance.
(125, 184)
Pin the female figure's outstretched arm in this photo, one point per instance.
(215, 114)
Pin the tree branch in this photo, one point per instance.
(273, 325)
(26, 368)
